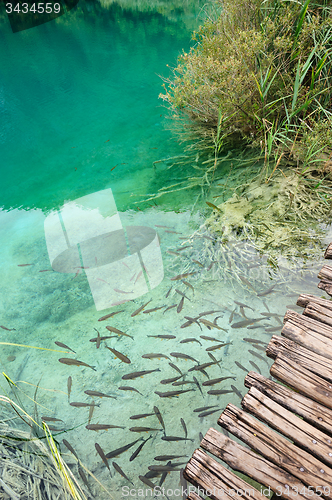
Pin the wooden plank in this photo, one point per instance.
(217, 482)
(319, 313)
(328, 252)
(325, 273)
(309, 339)
(312, 412)
(302, 380)
(303, 434)
(249, 463)
(304, 321)
(326, 286)
(305, 298)
(301, 355)
(276, 448)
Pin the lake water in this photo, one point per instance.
(81, 129)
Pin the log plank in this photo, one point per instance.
(312, 412)
(305, 298)
(328, 252)
(302, 380)
(325, 273)
(319, 313)
(326, 286)
(276, 448)
(308, 338)
(301, 355)
(249, 463)
(306, 322)
(304, 435)
(207, 474)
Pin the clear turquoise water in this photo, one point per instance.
(79, 97)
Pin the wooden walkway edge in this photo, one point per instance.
(286, 427)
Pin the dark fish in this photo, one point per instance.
(172, 365)
(203, 366)
(23, 265)
(198, 262)
(207, 313)
(190, 321)
(118, 332)
(210, 266)
(171, 252)
(266, 292)
(102, 427)
(127, 388)
(115, 453)
(153, 310)
(143, 429)
(243, 305)
(210, 338)
(70, 448)
(209, 412)
(167, 337)
(84, 478)
(169, 291)
(165, 458)
(214, 359)
(242, 367)
(159, 417)
(169, 307)
(258, 356)
(260, 347)
(253, 341)
(236, 391)
(200, 436)
(170, 380)
(102, 455)
(246, 322)
(204, 408)
(273, 329)
(188, 285)
(110, 315)
(181, 276)
(75, 362)
(209, 324)
(8, 329)
(213, 206)
(180, 306)
(141, 415)
(231, 316)
(183, 248)
(174, 232)
(191, 339)
(175, 438)
(255, 366)
(51, 419)
(217, 392)
(130, 376)
(163, 468)
(146, 481)
(69, 384)
(83, 405)
(183, 382)
(119, 355)
(246, 282)
(140, 309)
(120, 471)
(183, 356)
(197, 384)
(171, 394)
(182, 294)
(154, 355)
(218, 346)
(99, 338)
(217, 380)
(98, 394)
(136, 452)
(92, 409)
(183, 423)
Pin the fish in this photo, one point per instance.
(204, 408)
(51, 419)
(200, 436)
(183, 423)
(84, 478)
(246, 282)
(170, 380)
(270, 314)
(180, 306)
(136, 452)
(197, 262)
(183, 356)
(118, 451)
(181, 276)
(273, 329)
(159, 417)
(242, 367)
(45, 270)
(154, 355)
(210, 266)
(188, 285)
(215, 323)
(140, 309)
(171, 394)
(141, 415)
(164, 227)
(214, 359)
(169, 291)
(258, 356)
(120, 471)
(172, 365)
(191, 339)
(153, 310)
(110, 315)
(255, 366)
(119, 355)
(175, 438)
(102, 455)
(130, 376)
(117, 290)
(146, 481)
(183, 382)
(8, 329)
(128, 388)
(69, 384)
(70, 448)
(99, 339)
(165, 458)
(174, 232)
(163, 468)
(209, 412)
(169, 307)
(183, 248)
(24, 265)
(118, 332)
(246, 322)
(84, 405)
(92, 409)
(203, 366)
(182, 294)
(101, 427)
(236, 391)
(138, 276)
(243, 305)
(213, 206)
(98, 394)
(190, 321)
(198, 386)
(204, 337)
(60, 344)
(218, 392)
(171, 252)
(260, 347)
(143, 429)
(207, 313)
(266, 292)
(167, 337)
(218, 346)
(253, 341)
(209, 324)
(231, 316)
(75, 362)
(217, 380)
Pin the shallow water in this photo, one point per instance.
(80, 100)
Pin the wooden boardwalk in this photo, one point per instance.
(291, 455)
